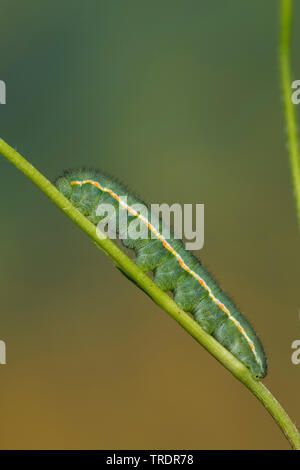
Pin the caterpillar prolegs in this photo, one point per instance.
(175, 269)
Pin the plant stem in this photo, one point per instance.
(289, 110)
(158, 296)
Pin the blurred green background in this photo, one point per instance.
(180, 100)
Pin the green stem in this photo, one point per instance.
(289, 110)
(158, 296)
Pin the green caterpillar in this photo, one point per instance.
(175, 269)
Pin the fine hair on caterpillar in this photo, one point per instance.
(174, 268)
